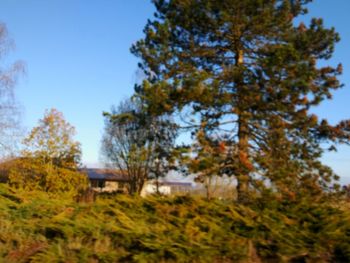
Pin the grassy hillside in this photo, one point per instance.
(36, 228)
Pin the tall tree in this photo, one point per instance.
(249, 77)
(9, 109)
(137, 144)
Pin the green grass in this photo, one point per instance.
(37, 228)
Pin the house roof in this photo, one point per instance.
(115, 175)
(105, 174)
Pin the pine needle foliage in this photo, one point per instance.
(249, 74)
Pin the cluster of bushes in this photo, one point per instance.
(119, 228)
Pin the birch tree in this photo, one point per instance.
(9, 109)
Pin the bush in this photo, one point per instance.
(37, 227)
(32, 174)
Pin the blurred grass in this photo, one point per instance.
(37, 228)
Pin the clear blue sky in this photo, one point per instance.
(78, 61)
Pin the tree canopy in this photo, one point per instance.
(53, 141)
(248, 76)
(50, 159)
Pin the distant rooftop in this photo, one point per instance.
(115, 175)
(105, 174)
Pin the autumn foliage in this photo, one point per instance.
(242, 79)
(50, 159)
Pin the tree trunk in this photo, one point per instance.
(207, 188)
(244, 164)
(243, 161)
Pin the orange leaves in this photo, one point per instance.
(304, 100)
(222, 147)
(244, 160)
(302, 27)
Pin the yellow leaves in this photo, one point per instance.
(313, 119)
(35, 174)
(60, 180)
(50, 158)
(52, 140)
(67, 213)
(26, 173)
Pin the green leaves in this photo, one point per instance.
(249, 76)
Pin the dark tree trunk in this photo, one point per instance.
(243, 161)
(243, 136)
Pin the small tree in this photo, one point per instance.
(137, 144)
(52, 141)
(51, 157)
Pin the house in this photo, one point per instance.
(108, 180)
(180, 187)
(166, 188)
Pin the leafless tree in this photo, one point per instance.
(124, 145)
(9, 108)
(137, 144)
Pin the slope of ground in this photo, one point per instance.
(38, 228)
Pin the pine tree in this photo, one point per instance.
(249, 75)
